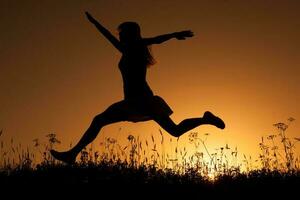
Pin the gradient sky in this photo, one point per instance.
(57, 72)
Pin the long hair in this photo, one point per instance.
(131, 31)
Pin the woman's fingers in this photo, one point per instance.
(89, 16)
(184, 34)
(187, 33)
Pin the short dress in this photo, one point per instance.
(144, 109)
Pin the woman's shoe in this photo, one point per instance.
(213, 120)
(66, 157)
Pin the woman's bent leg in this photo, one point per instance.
(113, 114)
(188, 124)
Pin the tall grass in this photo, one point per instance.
(150, 155)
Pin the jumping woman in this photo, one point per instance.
(139, 104)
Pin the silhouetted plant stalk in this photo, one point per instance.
(133, 150)
(52, 141)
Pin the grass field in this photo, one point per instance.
(125, 166)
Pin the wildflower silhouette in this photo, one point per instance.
(139, 104)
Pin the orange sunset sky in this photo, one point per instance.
(243, 64)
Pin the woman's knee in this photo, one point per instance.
(98, 119)
(169, 126)
(175, 132)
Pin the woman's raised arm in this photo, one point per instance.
(105, 32)
(182, 35)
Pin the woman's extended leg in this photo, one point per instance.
(177, 130)
(113, 114)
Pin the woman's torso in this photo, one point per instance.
(133, 67)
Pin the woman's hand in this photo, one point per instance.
(182, 35)
(90, 18)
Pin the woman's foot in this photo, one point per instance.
(66, 157)
(213, 120)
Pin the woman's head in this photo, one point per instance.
(129, 32)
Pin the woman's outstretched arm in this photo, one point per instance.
(182, 35)
(105, 32)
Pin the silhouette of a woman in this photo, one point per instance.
(139, 104)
